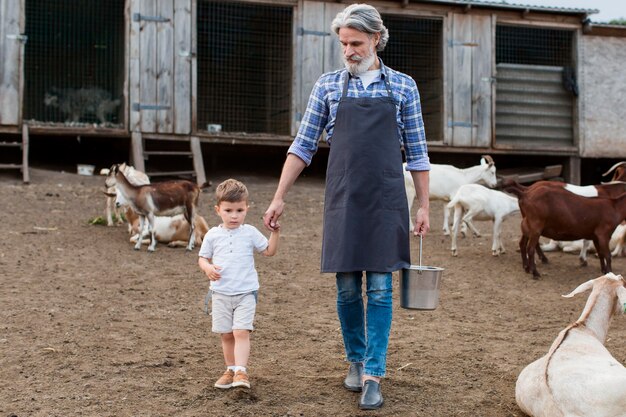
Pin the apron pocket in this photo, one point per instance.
(394, 193)
(336, 195)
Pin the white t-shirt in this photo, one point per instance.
(233, 250)
(369, 77)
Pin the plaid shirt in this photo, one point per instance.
(321, 113)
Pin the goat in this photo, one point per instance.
(445, 180)
(166, 198)
(611, 189)
(579, 377)
(133, 175)
(620, 171)
(556, 213)
(482, 203)
(172, 231)
(617, 245)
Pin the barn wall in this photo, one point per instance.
(604, 97)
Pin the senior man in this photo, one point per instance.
(368, 111)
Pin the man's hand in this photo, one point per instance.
(422, 222)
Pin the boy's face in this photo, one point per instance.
(232, 214)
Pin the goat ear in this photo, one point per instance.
(110, 194)
(580, 289)
(105, 171)
(621, 295)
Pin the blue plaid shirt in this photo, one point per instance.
(321, 113)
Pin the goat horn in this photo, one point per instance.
(489, 159)
(613, 168)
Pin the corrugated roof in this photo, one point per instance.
(516, 6)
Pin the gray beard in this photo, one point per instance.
(360, 67)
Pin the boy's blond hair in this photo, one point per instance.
(231, 191)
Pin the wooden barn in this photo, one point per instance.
(173, 76)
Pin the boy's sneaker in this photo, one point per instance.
(241, 380)
(226, 380)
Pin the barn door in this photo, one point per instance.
(320, 48)
(160, 66)
(469, 123)
(12, 43)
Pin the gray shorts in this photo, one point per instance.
(233, 312)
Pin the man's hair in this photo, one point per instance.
(231, 191)
(364, 18)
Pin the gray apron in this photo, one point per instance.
(366, 216)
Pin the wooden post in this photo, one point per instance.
(198, 163)
(137, 151)
(25, 141)
(573, 170)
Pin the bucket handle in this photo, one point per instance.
(419, 271)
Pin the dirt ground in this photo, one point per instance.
(90, 327)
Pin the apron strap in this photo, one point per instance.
(384, 76)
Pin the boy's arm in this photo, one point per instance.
(210, 270)
(272, 246)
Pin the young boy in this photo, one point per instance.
(227, 258)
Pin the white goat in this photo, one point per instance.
(133, 175)
(617, 244)
(578, 377)
(172, 231)
(445, 180)
(481, 203)
(166, 198)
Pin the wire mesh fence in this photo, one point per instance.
(244, 67)
(534, 46)
(74, 62)
(536, 86)
(415, 48)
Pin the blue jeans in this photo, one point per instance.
(365, 337)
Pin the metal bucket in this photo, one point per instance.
(419, 286)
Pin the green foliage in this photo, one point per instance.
(620, 21)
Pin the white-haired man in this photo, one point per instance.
(368, 111)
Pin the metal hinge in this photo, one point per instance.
(458, 43)
(303, 31)
(21, 38)
(459, 124)
(138, 17)
(139, 107)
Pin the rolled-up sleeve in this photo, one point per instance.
(413, 134)
(315, 118)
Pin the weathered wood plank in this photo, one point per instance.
(481, 81)
(148, 65)
(165, 66)
(134, 68)
(11, 54)
(313, 19)
(461, 85)
(332, 48)
(182, 66)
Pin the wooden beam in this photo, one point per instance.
(25, 142)
(198, 163)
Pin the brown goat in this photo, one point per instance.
(166, 198)
(620, 171)
(552, 211)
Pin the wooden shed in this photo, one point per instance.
(496, 78)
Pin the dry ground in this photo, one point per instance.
(90, 327)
